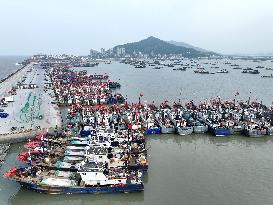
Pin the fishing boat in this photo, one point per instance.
(201, 71)
(182, 125)
(254, 132)
(254, 72)
(180, 69)
(219, 131)
(152, 131)
(166, 125)
(200, 128)
(223, 71)
(187, 130)
(91, 178)
(269, 130)
(267, 76)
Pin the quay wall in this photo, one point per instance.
(12, 74)
(14, 137)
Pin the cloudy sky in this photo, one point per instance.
(74, 26)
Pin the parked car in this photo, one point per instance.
(3, 115)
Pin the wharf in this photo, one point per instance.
(32, 111)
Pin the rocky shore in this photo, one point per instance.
(4, 148)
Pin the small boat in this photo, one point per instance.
(140, 66)
(250, 71)
(254, 72)
(114, 85)
(267, 76)
(223, 71)
(201, 71)
(180, 69)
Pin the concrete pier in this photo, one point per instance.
(15, 137)
(32, 111)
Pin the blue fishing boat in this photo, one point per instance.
(219, 131)
(152, 131)
(82, 190)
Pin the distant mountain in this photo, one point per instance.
(156, 46)
(252, 54)
(186, 45)
(262, 54)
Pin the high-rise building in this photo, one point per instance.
(111, 51)
(102, 50)
(120, 51)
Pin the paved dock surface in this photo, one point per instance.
(31, 108)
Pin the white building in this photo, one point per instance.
(120, 51)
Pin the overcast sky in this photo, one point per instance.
(74, 26)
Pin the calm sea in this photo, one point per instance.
(8, 64)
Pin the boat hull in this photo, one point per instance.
(165, 130)
(184, 130)
(83, 190)
(270, 131)
(220, 132)
(143, 168)
(255, 133)
(236, 130)
(152, 131)
(200, 129)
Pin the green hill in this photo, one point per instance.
(156, 46)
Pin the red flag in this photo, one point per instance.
(129, 126)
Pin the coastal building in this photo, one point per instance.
(120, 51)
(93, 53)
(102, 50)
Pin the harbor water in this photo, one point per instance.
(9, 64)
(167, 84)
(190, 170)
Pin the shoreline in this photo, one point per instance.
(4, 150)
(49, 112)
(12, 74)
(22, 136)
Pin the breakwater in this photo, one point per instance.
(12, 74)
(4, 148)
(14, 137)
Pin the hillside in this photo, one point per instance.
(186, 45)
(156, 46)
